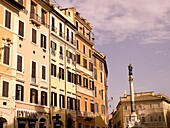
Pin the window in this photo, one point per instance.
(83, 31)
(96, 107)
(90, 66)
(61, 73)
(84, 62)
(92, 107)
(43, 98)
(91, 85)
(103, 109)
(8, 19)
(33, 75)
(102, 93)
(94, 61)
(84, 49)
(101, 77)
(33, 8)
(21, 29)
(60, 30)
(90, 53)
(53, 47)
(125, 107)
(62, 101)
(78, 104)
(19, 63)
(61, 50)
(53, 24)
(159, 118)
(85, 82)
(77, 45)
(43, 16)
(78, 58)
(53, 70)
(68, 34)
(77, 25)
(53, 99)
(33, 96)
(143, 119)
(95, 73)
(43, 72)
(5, 88)
(34, 36)
(151, 118)
(150, 106)
(68, 102)
(85, 105)
(78, 79)
(101, 66)
(6, 55)
(95, 91)
(159, 105)
(72, 38)
(68, 76)
(19, 92)
(43, 41)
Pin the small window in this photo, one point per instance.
(34, 36)
(159, 118)
(78, 58)
(92, 107)
(61, 73)
(19, 92)
(85, 82)
(62, 101)
(33, 96)
(103, 109)
(43, 98)
(19, 63)
(90, 66)
(33, 75)
(6, 55)
(151, 118)
(43, 16)
(8, 19)
(69, 14)
(53, 47)
(61, 50)
(101, 77)
(125, 107)
(85, 105)
(84, 49)
(44, 72)
(21, 29)
(53, 70)
(84, 62)
(43, 41)
(94, 61)
(5, 88)
(53, 99)
(77, 45)
(90, 53)
(95, 73)
(96, 107)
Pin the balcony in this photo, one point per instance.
(72, 112)
(35, 18)
(88, 116)
(80, 114)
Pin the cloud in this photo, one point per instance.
(146, 21)
(157, 52)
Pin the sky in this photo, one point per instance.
(133, 32)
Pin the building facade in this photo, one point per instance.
(47, 68)
(152, 110)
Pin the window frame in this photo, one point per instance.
(23, 30)
(22, 64)
(45, 80)
(43, 41)
(3, 55)
(21, 97)
(11, 17)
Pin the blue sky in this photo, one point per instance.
(130, 31)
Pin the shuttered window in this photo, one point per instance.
(7, 19)
(33, 96)
(53, 99)
(43, 72)
(21, 28)
(34, 36)
(6, 55)
(19, 92)
(43, 41)
(19, 63)
(43, 98)
(33, 69)
(5, 88)
(53, 70)
(61, 73)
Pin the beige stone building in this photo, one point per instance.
(152, 110)
(46, 68)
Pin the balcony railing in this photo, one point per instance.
(35, 18)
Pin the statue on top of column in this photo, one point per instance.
(130, 70)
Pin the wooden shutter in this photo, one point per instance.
(33, 69)
(21, 28)
(22, 93)
(6, 55)
(19, 63)
(5, 89)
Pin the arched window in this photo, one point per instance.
(42, 123)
